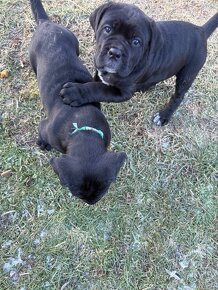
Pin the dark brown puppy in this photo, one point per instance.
(86, 167)
(134, 53)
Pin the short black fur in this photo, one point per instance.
(134, 53)
(86, 167)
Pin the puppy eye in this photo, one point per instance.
(107, 29)
(136, 42)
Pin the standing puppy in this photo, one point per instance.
(82, 133)
(134, 52)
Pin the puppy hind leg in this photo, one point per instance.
(184, 80)
(42, 138)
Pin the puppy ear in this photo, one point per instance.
(97, 15)
(156, 38)
(114, 162)
(62, 166)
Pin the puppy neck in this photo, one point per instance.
(86, 145)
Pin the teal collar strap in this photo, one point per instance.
(86, 128)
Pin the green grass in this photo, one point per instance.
(157, 226)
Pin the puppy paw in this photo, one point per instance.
(71, 102)
(71, 95)
(160, 119)
(68, 85)
(43, 145)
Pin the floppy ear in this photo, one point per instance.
(156, 38)
(62, 166)
(97, 15)
(114, 162)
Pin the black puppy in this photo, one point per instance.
(134, 53)
(82, 134)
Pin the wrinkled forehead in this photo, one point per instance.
(124, 16)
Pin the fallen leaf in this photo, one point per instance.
(6, 173)
(4, 74)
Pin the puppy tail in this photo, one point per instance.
(211, 25)
(38, 11)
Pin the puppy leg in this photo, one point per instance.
(75, 94)
(42, 140)
(184, 80)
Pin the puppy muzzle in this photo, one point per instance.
(112, 57)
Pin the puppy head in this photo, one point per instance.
(88, 182)
(123, 35)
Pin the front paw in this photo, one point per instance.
(71, 95)
(43, 145)
(161, 118)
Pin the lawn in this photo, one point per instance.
(157, 226)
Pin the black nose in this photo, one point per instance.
(114, 52)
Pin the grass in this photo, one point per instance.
(157, 226)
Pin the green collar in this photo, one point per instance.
(86, 128)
